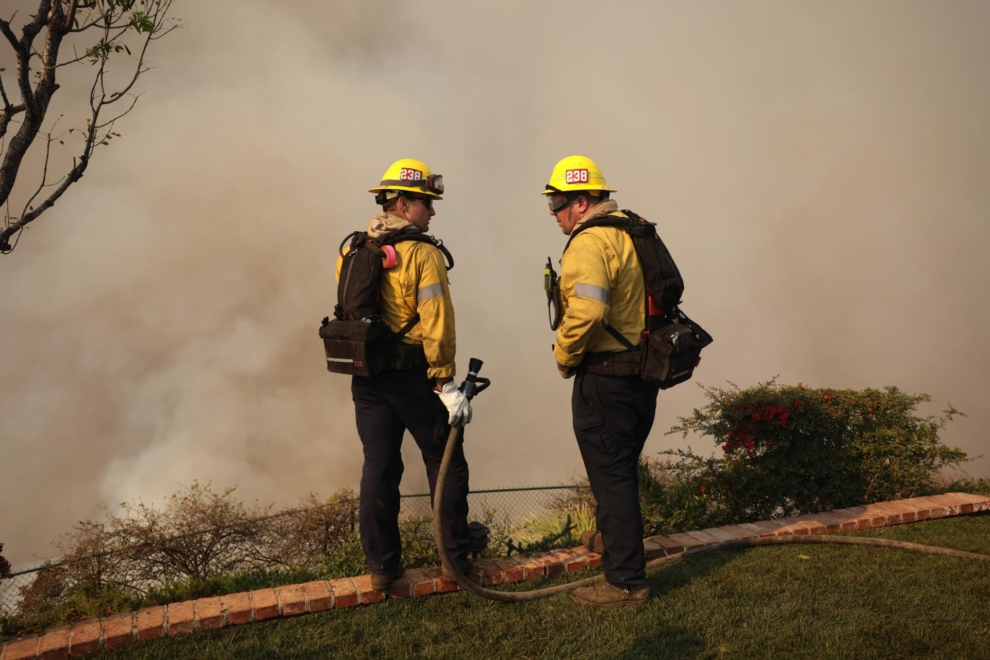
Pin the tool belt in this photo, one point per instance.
(623, 363)
(407, 357)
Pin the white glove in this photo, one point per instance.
(456, 403)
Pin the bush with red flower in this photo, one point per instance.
(789, 450)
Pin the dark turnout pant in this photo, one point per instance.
(612, 419)
(385, 406)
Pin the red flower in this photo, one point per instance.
(702, 489)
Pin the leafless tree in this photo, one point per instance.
(105, 31)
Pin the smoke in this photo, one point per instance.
(819, 173)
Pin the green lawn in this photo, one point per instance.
(801, 601)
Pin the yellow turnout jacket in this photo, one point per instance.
(601, 282)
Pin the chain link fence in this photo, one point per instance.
(511, 507)
(10, 589)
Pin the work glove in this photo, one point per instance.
(566, 372)
(458, 406)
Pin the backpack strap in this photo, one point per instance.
(410, 324)
(618, 336)
(414, 235)
(359, 237)
(604, 221)
(446, 254)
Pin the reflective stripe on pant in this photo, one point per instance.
(612, 419)
(385, 406)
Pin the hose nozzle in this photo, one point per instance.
(472, 384)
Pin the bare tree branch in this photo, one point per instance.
(113, 21)
(36, 100)
(109, 123)
(8, 113)
(32, 29)
(70, 15)
(8, 33)
(44, 172)
(3, 93)
(8, 110)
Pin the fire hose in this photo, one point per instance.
(474, 385)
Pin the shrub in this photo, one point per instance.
(54, 598)
(671, 497)
(196, 535)
(201, 543)
(790, 450)
(4, 565)
(316, 528)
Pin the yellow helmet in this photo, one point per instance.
(409, 175)
(576, 173)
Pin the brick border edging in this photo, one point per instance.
(95, 635)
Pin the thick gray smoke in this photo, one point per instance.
(821, 174)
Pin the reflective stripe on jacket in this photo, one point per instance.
(601, 282)
(418, 283)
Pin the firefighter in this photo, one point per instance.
(417, 393)
(598, 343)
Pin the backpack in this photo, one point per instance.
(671, 343)
(358, 341)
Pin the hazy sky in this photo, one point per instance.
(820, 172)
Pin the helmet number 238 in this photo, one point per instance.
(576, 176)
(409, 174)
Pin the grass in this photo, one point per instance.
(788, 602)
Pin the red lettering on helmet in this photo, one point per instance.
(409, 174)
(576, 176)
